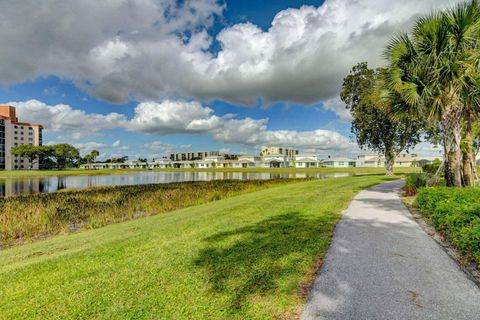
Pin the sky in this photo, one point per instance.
(144, 78)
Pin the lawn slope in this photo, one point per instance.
(244, 257)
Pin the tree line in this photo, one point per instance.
(58, 156)
(430, 88)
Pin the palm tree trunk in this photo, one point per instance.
(451, 118)
(467, 153)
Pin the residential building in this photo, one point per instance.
(276, 161)
(14, 133)
(288, 152)
(339, 163)
(370, 161)
(188, 156)
(306, 161)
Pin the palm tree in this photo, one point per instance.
(435, 70)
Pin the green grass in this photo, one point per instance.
(455, 212)
(25, 218)
(41, 173)
(245, 257)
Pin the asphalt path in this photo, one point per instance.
(382, 265)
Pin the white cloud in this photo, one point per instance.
(87, 147)
(191, 117)
(336, 105)
(170, 117)
(73, 123)
(139, 49)
(173, 117)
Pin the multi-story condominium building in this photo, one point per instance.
(288, 152)
(200, 155)
(14, 133)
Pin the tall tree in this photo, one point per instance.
(374, 124)
(28, 152)
(434, 71)
(90, 157)
(65, 154)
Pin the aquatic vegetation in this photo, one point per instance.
(27, 218)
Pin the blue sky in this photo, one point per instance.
(152, 78)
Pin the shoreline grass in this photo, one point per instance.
(38, 216)
(243, 257)
(80, 172)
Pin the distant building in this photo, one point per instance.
(339, 163)
(288, 152)
(199, 155)
(14, 133)
(306, 161)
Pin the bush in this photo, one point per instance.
(456, 213)
(431, 168)
(414, 182)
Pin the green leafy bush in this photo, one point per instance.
(431, 168)
(456, 213)
(414, 182)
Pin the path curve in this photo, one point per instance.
(382, 265)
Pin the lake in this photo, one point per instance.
(22, 186)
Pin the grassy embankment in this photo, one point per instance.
(41, 173)
(25, 218)
(246, 257)
(455, 213)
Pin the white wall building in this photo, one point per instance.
(14, 133)
(339, 163)
(306, 161)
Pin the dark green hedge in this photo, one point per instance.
(456, 213)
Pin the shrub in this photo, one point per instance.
(414, 182)
(431, 168)
(456, 213)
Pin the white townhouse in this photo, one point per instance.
(306, 161)
(370, 161)
(104, 165)
(275, 161)
(339, 163)
(183, 164)
(208, 162)
(160, 163)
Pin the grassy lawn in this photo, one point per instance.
(41, 173)
(245, 257)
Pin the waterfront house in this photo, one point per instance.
(339, 163)
(306, 161)
(160, 163)
(275, 161)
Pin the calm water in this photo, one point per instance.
(17, 186)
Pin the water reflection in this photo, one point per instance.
(18, 186)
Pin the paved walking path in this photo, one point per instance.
(382, 265)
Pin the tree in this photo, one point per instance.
(27, 151)
(65, 154)
(374, 124)
(435, 70)
(90, 157)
